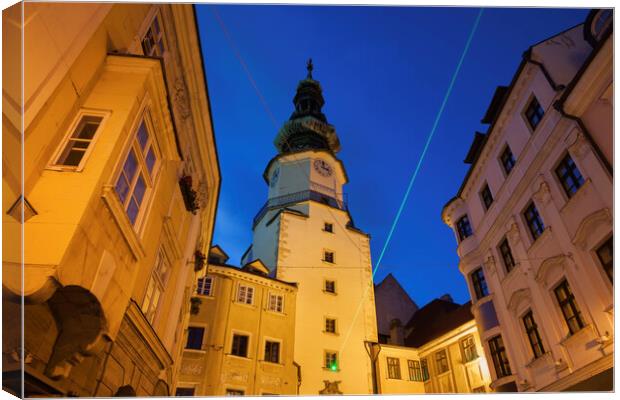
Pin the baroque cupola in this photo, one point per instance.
(307, 128)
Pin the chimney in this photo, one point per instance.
(447, 297)
(397, 335)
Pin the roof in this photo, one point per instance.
(435, 319)
(293, 284)
(218, 252)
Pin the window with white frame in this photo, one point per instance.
(156, 286)
(75, 146)
(245, 294)
(204, 286)
(136, 176)
(153, 40)
(276, 302)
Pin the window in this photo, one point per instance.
(486, 196)
(153, 41)
(234, 392)
(330, 325)
(534, 113)
(272, 351)
(245, 294)
(184, 391)
(205, 286)
(195, 335)
(393, 365)
(331, 360)
(156, 285)
(424, 365)
(415, 372)
(136, 176)
(507, 160)
(534, 222)
(328, 256)
(531, 329)
(479, 283)
(606, 256)
(569, 176)
(240, 345)
(441, 358)
(568, 305)
(330, 286)
(463, 228)
(468, 347)
(499, 356)
(276, 302)
(479, 389)
(506, 253)
(328, 227)
(75, 146)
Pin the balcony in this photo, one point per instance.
(298, 197)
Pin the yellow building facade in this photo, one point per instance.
(241, 333)
(438, 350)
(120, 185)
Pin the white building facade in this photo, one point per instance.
(534, 218)
(304, 234)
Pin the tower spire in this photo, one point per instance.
(307, 128)
(309, 67)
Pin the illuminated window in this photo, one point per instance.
(534, 113)
(569, 307)
(245, 294)
(153, 40)
(531, 329)
(136, 176)
(468, 347)
(479, 283)
(393, 365)
(331, 360)
(569, 176)
(330, 325)
(486, 196)
(195, 335)
(240, 345)
(205, 286)
(156, 285)
(425, 374)
(276, 302)
(441, 359)
(506, 253)
(507, 160)
(76, 145)
(272, 351)
(499, 356)
(606, 256)
(463, 228)
(415, 371)
(534, 221)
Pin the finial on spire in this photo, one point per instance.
(309, 67)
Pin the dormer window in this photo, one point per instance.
(534, 113)
(463, 228)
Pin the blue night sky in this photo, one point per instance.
(384, 72)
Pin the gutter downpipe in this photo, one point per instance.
(369, 346)
(298, 376)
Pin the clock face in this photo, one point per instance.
(274, 177)
(322, 168)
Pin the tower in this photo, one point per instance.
(305, 234)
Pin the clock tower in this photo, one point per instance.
(305, 234)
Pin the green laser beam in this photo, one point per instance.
(429, 139)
